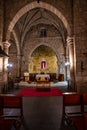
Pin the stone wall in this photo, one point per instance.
(80, 31)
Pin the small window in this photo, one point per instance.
(43, 33)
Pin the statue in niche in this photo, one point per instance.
(43, 64)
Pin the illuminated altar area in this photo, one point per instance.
(42, 77)
(43, 64)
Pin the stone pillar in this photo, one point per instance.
(1, 74)
(70, 44)
(6, 46)
(1, 37)
(1, 20)
(4, 72)
(19, 57)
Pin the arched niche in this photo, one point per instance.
(40, 54)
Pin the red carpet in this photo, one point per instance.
(34, 92)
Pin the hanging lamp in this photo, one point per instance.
(2, 53)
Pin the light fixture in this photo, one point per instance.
(67, 63)
(2, 53)
(9, 65)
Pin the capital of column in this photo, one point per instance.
(69, 40)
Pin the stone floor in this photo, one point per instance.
(42, 113)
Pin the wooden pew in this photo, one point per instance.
(84, 102)
(1, 105)
(5, 124)
(12, 106)
(72, 107)
(84, 109)
(12, 109)
(85, 121)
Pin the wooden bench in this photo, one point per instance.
(72, 107)
(12, 108)
(8, 107)
(84, 109)
(6, 124)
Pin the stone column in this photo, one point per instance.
(1, 37)
(1, 20)
(71, 48)
(19, 57)
(4, 66)
(1, 73)
(6, 46)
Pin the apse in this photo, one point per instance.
(43, 60)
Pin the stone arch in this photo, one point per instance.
(40, 58)
(33, 5)
(56, 53)
(16, 39)
(45, 44)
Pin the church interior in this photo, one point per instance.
(43, 48)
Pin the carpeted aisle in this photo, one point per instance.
(34, 92)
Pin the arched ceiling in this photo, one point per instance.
(35, 17)
(44, 51)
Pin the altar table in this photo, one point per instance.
(43, 83)
(42, 77)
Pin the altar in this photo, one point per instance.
(42, 77)
(43, 82)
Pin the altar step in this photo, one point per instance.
(34, 84)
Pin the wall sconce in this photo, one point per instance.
(67, 63)
(9, 65)
(2, 53)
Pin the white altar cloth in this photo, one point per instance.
(42, 76)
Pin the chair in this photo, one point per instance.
(84, 109)
(1, 105)
(12, 106)
(73, 109)
(85, 121)
(84, 102)
(13, 109)
(6, 123)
